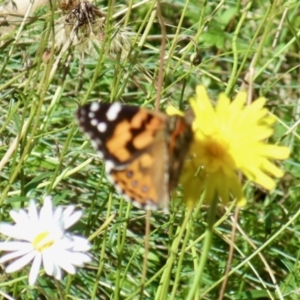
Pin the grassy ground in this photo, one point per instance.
(233, 45)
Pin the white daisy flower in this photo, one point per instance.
(42, 238)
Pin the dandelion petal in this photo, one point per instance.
(230, 138)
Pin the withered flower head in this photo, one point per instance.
(84, 26)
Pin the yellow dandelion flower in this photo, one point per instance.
(229, 138)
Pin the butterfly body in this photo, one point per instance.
(143, 150)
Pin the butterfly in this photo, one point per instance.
(143, 150)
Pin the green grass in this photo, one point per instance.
(48, 155)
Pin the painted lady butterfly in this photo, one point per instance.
(143, 150)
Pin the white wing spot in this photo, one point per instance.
(113, 111)
(94, 122)
(109, 165)
(100, 154)
(95, 145)
(91, 115)
(98, 141)
(95, 106)
(82, 112)
(102, 127)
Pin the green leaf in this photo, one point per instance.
(225, 17)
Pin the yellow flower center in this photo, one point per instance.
(215, 149)
(42, 241)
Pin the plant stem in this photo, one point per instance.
(206, 247)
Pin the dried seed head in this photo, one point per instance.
(84, 27)
(67, 5)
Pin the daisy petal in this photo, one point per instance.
(14, 246)
(35, 268)
(80, 244)
(57, 273)
(48, 263)
(20, 263)
(32, 211)
(47, 241)
(72, 219)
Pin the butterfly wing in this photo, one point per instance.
(144, 181)
(179, 137)
(132, 142)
